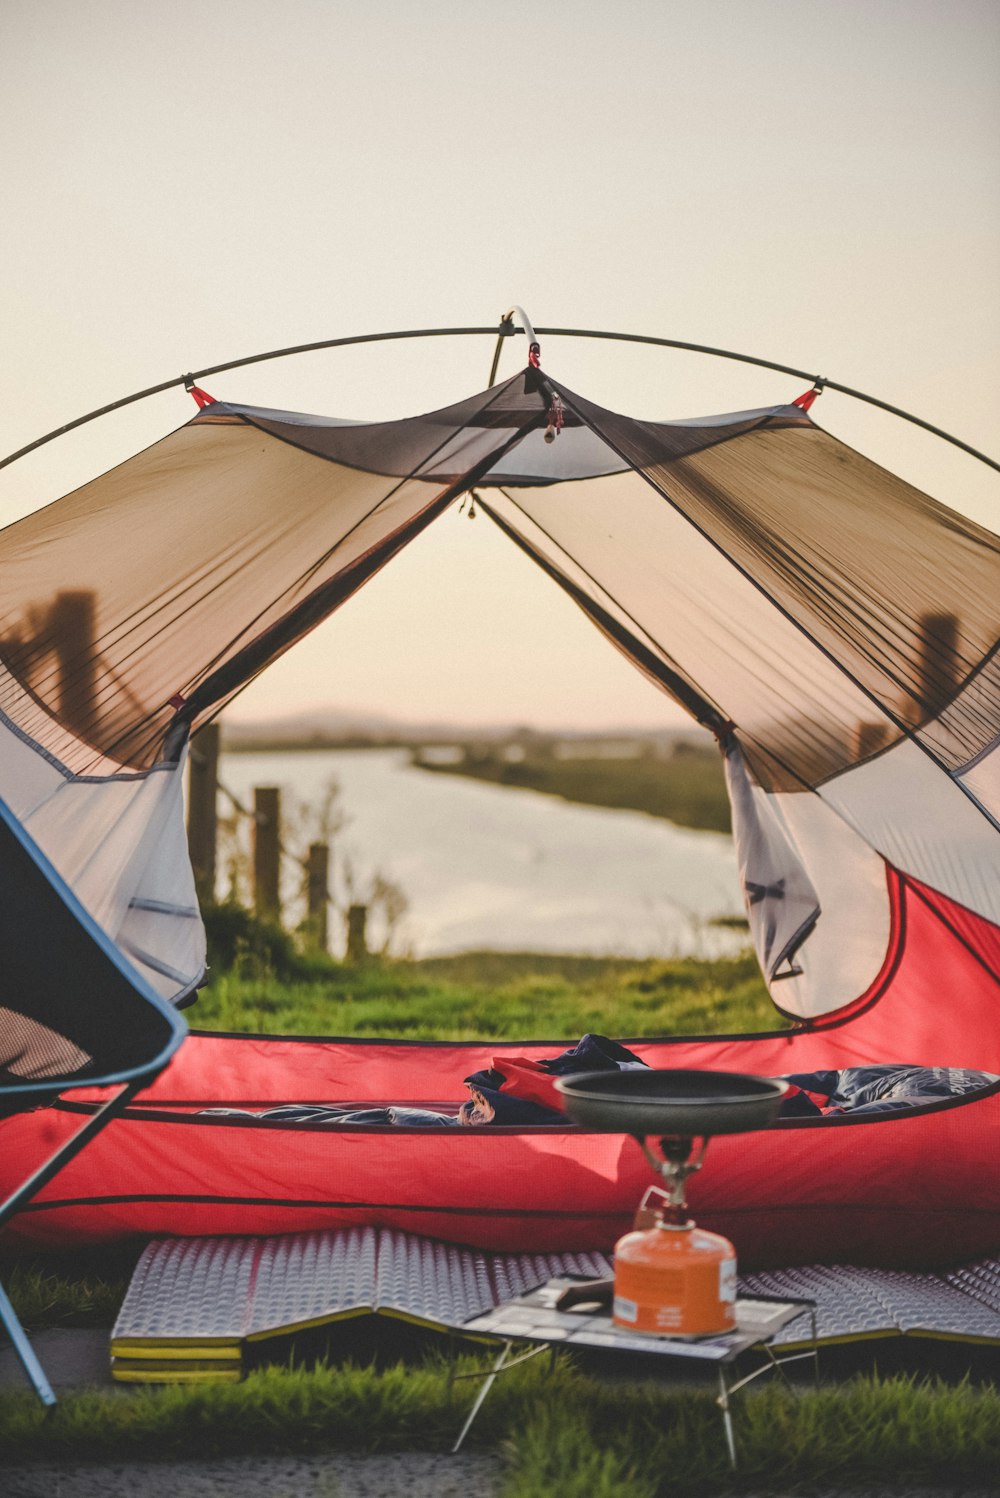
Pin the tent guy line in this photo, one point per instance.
(506, 329)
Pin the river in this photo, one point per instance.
(493, 867)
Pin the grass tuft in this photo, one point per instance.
(897, 1432)
(277, 1410)
(560, 1452)
(49, 1291)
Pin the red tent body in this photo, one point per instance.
(911, 1189)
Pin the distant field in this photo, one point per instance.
(671, 776)
(687, 788)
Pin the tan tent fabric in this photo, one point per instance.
(223, 542)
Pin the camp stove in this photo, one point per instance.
(672, 1278)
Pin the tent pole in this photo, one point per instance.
(822, 380)
(202, 374)
(506, 329)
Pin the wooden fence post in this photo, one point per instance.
(318, 895)
(202, 825)
(267, 851)
(73, 621)
(939, 665)
(357, 942)
(937, 676)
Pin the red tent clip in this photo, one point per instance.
(201, 396)
(805, 400)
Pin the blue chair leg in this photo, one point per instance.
(25, 1351)
(23, 1194)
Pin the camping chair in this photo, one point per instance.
(73, 1013)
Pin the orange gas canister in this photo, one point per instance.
(675, 1280)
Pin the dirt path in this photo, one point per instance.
(409, 1475)
(406, 1475)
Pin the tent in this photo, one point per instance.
(835, 628)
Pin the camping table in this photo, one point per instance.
(533, 1318)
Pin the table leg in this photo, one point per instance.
(487, 1386)
(727, 1419)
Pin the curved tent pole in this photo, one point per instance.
(819, 381)
(506, 330)
(188, 380)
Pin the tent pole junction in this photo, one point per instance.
(506, 329)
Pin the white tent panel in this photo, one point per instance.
(921, 821)
(847, 947)
(120, 844)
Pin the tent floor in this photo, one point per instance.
(202, 1309)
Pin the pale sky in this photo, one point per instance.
(190, 183)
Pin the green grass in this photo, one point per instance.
(81, 1287)
(55, 1291)
(405, 1407)
(559, 1432)
(515, 996)
(688, 788)
(896, 1432)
